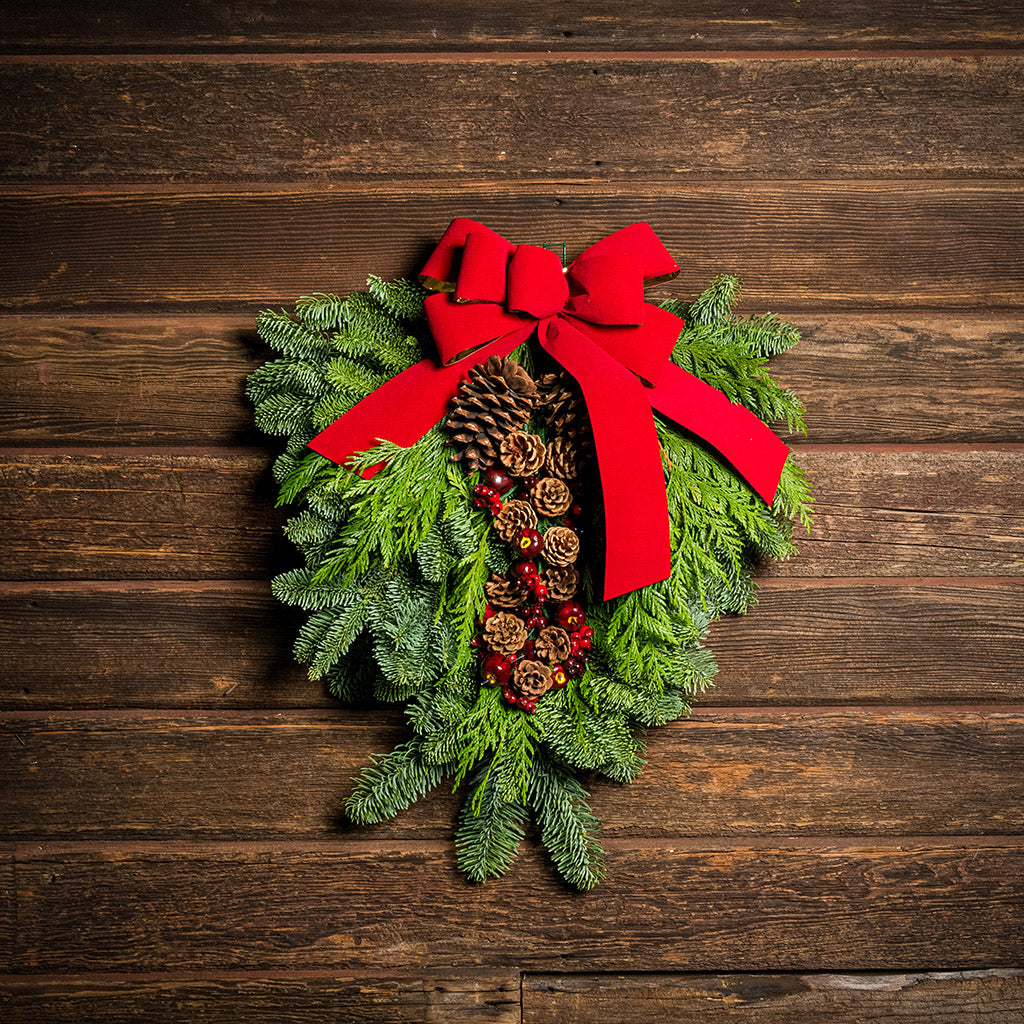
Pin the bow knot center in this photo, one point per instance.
(536, 284)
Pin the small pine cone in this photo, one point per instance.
(561, 546)
(563, 459)
(562, 582)
(497, 398)
(532, 678)
(562, 408)
(502, 593)
(552, 644)
(551, 497)
(515, 515)
(505, 633)
(522, 453)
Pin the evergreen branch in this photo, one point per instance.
(391, 783)
(490, 829)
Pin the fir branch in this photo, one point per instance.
(391, 783)
(490, 829)
(403, 299)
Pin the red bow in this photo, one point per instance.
(593, 320)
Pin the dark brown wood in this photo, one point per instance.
(8, 906)
(150, 514)
(797, 246)
(228, 645)
(339, 120)
(941, 997)
(263, 26)
(465, 997)
(343, 905)
(165, 380)
(723, 773)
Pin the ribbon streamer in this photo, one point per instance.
(491, 296)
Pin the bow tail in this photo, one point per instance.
(637, 541)
(732, 430)
(406, 407)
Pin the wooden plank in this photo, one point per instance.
(939, 997)
(917, 117)
(343, 905)
(155, 514)
(464, 997)
(160, 380)
(722, 773)
(798, 246)
(8, 907)
(228, 645)
(99, 26)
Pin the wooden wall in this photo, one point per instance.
(836, 835)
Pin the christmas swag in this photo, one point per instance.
(526, 493)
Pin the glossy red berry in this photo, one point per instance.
(528, 544)
(535, 611)
(489, 612)
(585, 643)
(529, 482)
(587, 632)
(528, 704)
(574, 668)
(524, 571)
(536, 622)
(496, 670)
(574, 642)
(484, 495)
(571, 615)
(558, 676)
(509, 696)
(540, 591)
(499, 480)
(576, 511)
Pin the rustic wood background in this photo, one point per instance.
(836, 835)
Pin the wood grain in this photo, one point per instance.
(8, 906)
(812, 246)
(151, 514)
(942, 997)
(707, 905)
(228, 645)
(465, 997)
(265, 26)
(512, 119)
(262, 775)
(166, 380)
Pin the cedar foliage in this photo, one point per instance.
(394, 569)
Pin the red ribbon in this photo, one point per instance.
(491, 296)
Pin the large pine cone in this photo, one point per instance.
(561, 546)
(563, 459)
(515, 515)
(562, 408)
(522, 454)
(502, 593)
(562, 582)
(532, 678)
(551, 497)
(552, 644)
(505, 633)
(496, 400)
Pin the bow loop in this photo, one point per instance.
(536, 283)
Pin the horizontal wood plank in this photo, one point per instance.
(711, 906)
(228, 645)
(798, 246)
(466, 997)
(99, 26)
(8, 907)
(169, 121)
(738, 773)
(940, 997)
(150, 514)
(163, 381)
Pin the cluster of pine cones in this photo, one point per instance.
(534, 633)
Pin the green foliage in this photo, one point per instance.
(394, 566)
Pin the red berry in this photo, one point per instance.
(528, 705)
(587, 632)
(574, 642)
(585, 643)
(528, 650)
(483, 495)
(558, 676)
(535, 611)
(528, 544)
(574, 668)
(536, 622)
(475, 642)
(509, 696)
(524, 571)
(496, 670)
(489, 612)
(571, 615)
(540, 591)
(529, 482)
(499, 480)
(576, 511)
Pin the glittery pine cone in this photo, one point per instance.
(562, 582)
(532, 678)
(522, 454)
(505, 633)
(515, 515)
(552, 645)
(563, 459)
(551, 497)
(561, 546)
(496, 400)
(506, 594)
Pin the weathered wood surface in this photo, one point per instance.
(508, 119)
(814, 246)
(154, 514)
(465, 997)
(940, 997)
(179, 381)
(228, 645)
(263, 26)
(722, 773)
(710, 905)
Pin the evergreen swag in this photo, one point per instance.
(395, 568)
